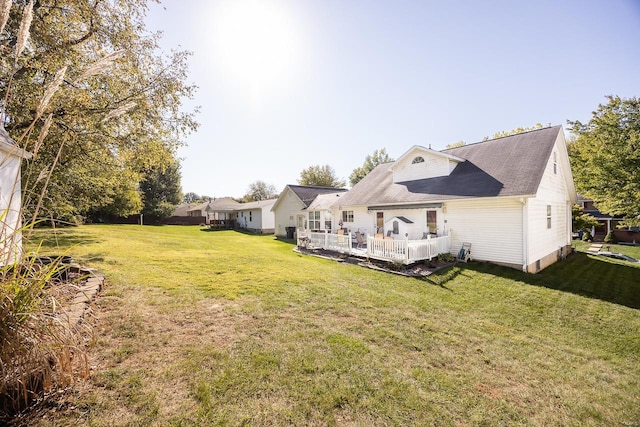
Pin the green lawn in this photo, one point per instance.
(223, 328)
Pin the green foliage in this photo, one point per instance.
(581, 220)
(445, 257)
(260, 190)
(115, 112)
(161, 190)
(610, 238)
(514, 131)
(456, 144)
(38, 350)
(321, 176)
(605, 158)
(586, 236)
(370, 162)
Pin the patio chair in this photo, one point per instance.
(359, 239)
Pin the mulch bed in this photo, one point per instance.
(421, 269)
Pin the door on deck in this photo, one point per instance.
(432, 222)
(301, 225)
(379, 222)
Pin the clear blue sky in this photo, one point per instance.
(286, 84)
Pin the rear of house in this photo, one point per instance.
(510, 198)
(256, 216)
(291, 209)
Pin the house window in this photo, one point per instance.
(327, 224)
(555, 163)
(347, 216)
(548, 216)
(250, 216)
(396, 228)
(432, 222)
(418, 159)
(314, 220)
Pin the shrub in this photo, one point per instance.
(39, 350)
(445, 257)
(610, 238)
(587, 236)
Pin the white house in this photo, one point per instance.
(10, 198)
(256, 216)
(294, 209)
(509, 197)
(217, 211)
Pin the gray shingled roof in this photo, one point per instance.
(308, 193)
(509, 166)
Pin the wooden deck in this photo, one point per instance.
(404, 251)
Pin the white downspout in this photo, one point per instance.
(525, 226)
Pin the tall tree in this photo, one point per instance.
(605, 157)
(191, 197)
(161, 190)
(370, 162)
(321, 176)
(92, 98)
(582, 221)
(260, 190)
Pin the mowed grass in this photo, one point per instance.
(223, 328)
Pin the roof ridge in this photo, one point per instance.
(503, 137)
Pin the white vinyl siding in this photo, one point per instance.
(431, 167)
(551, 192)
(289, 206)
(493, 226)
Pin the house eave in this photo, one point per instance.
(427, 150)
(405, 206)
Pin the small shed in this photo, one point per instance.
(11, 157)
(398, 226)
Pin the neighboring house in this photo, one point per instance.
(183, 216)
(222, 212)
(256, 216)
(10, 198)
(291, 208)
(200, 209)
(183, 209)
(608, 223)
(510, 198)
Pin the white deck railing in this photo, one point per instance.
(401, 250)
(332, 242)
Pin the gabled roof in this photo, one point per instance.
(509, 166)
(417, 149)
(324, 201)
(182, 209)
(307, 193)
(222, 204)
(256, 205)
(401, 218)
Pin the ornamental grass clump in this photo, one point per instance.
(39, 349)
